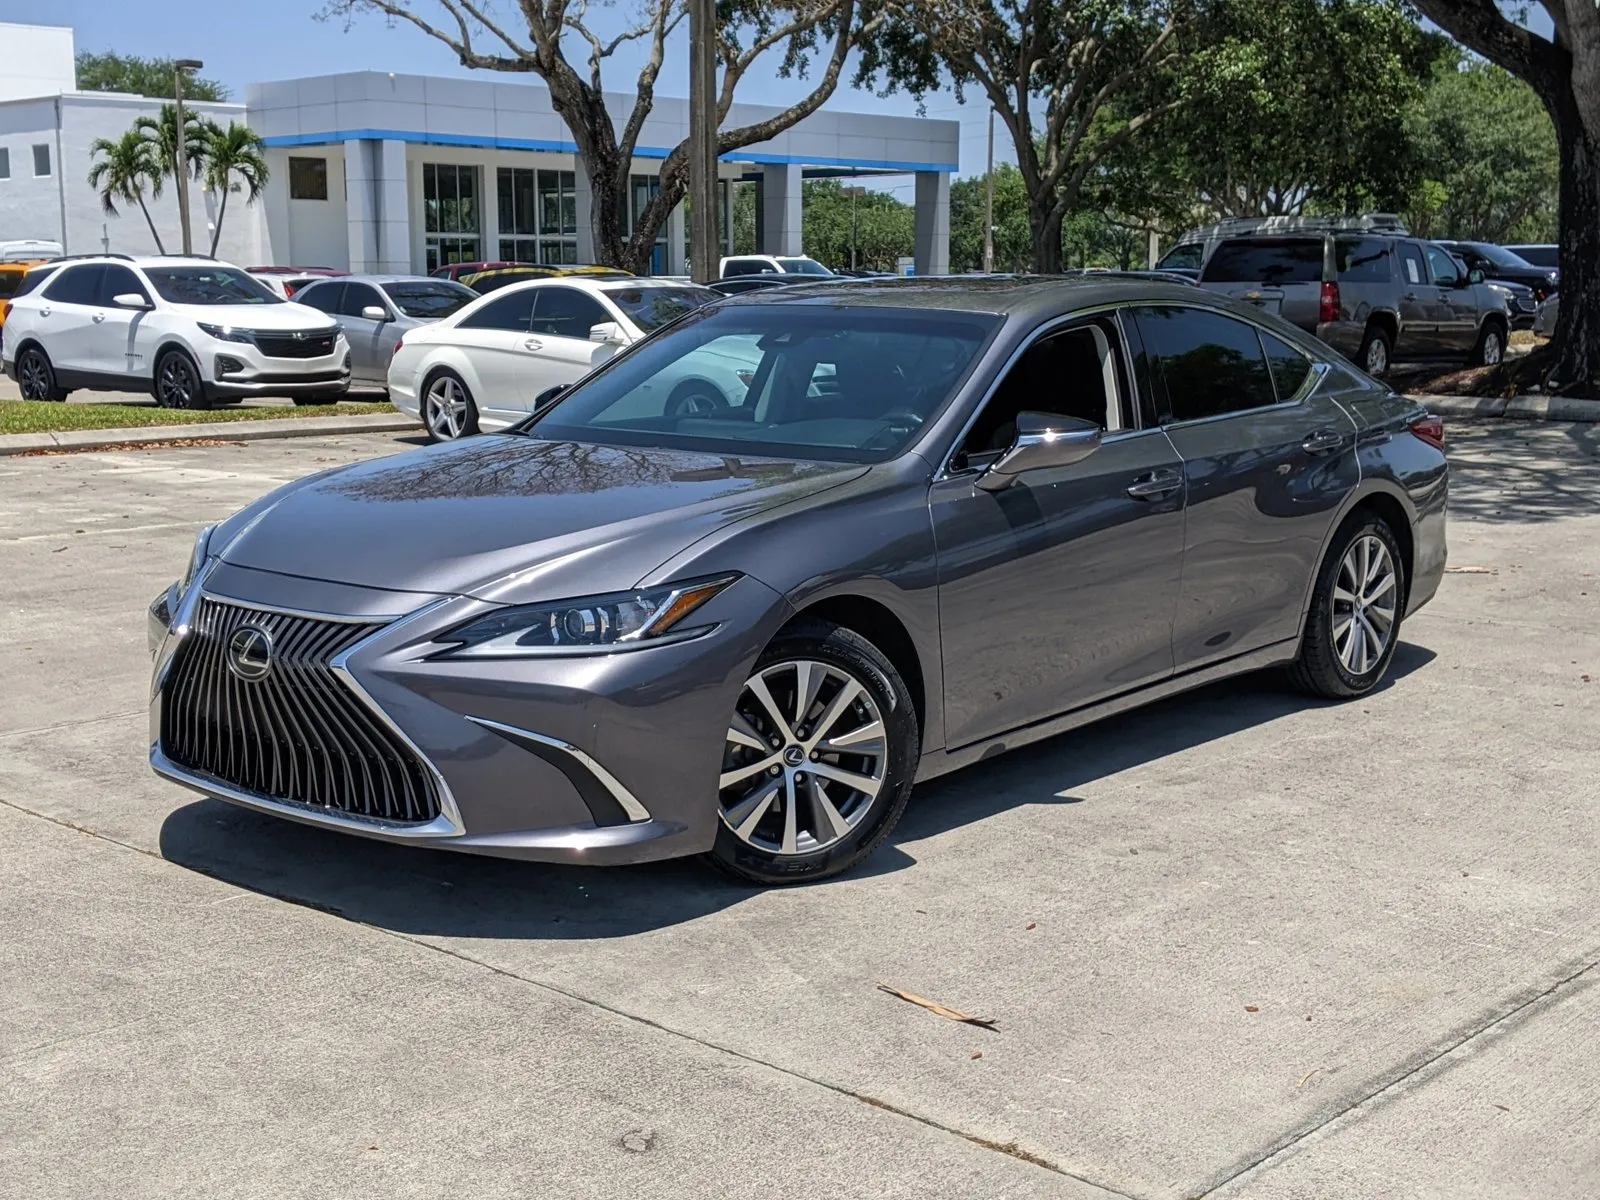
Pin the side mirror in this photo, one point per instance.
(1043, 440)
(1475, 275)
(549, 396)
(131, 300)
(608, 333)
(373, 312)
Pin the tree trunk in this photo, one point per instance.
(1577, 333)
(1044, 217)
(216, 232)
(160, 249)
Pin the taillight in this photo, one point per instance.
(1329, 310)
(1430, 428)
(745, 377)
(398, 342)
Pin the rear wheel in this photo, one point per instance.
(448, 410)
(1354, 623)
(36, 378)
(1376, 348)
(821, 752)
(178, 382)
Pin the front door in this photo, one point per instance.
(560, 351)
(1458, 304)
(122, 340)
(1268, 458)
(495, 339)
(370, 343)
(1059, 590)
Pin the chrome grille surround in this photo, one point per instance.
(305, 741)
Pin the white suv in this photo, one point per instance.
(772, 264)
(188, 330)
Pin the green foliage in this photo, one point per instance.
(885, 228)
(1485, 159)
(111, 72)
(124, 171)
(162, 133)
(1013, 237)
(236, 161)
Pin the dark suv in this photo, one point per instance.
(1376, 298)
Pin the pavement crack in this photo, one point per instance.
(60, 725)
(1285, 1145)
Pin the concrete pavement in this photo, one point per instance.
(1236, 943)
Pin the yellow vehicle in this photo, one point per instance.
(12, 275)
(490, 279)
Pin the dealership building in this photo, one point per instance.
(371, 171)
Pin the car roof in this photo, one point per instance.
(381, 279)
(1023, 295)
(590, 283)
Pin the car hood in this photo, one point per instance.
(511, 519)
(287, 315)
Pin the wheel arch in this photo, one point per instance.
(884, 628)
(1388, 501)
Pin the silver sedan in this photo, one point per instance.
(378, 310)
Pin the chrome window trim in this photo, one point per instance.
(630, 805)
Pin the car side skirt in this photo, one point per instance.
(940, 762)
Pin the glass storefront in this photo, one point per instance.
(450, 214)
(538, 215)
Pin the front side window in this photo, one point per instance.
(358, 296)
(117, 280)
(1445, 273)
(76, 285)
(566, 312)
(426, 300)
(513, 313)
(838, 384)
(1209, 364)
(308, 178)
(209, 285)
(41, 159)
(652, 307)
(1266, 260)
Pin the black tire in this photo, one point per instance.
(36, 377)
(1320, 670)
(694, 397)
(428, 403)
(1377, 351)
(1493, 335)
(832, 645)
(319, 398)
(177, 382)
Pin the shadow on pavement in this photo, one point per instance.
(1523, 472)
(435, 892)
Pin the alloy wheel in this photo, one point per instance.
(446, 408)
(33, 376)
(1377, 358)
(805, 758)
(176, 385)
(1493, 351)
(1365, 596)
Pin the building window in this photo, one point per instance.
(450, 220)
(5, 163)
(538, 215)
(308, 178)
(640, 190)
(41, 159)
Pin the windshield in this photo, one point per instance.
(1500, 256)
(1297, 260)
(209, 285)
(841, 384)
(803, 266)
(1184, 258)
(430, 299)
(1540, 256)
(652, 307)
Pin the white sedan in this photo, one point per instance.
(486, 366)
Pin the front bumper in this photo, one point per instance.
(604, 759)
(238, 369)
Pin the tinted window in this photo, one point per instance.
(803, 266)
(1278, 260)
(358, 296)
(424, 299)
(1497, 255)
(566, 312)
(491, 281)
(652, 307)
(1210, 364)
(116, 281)
(34, 280)
(1184, 258)
(8, 283)
(745, 267)
(1540, 256)
(324, 296)
(1362, 260)
(513, 312)
(209, 285)
(76, 285)
(838, 384)
(1443, 266)
(308, 178)
(1411, 261)
(1290, 367)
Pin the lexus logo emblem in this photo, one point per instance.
(250, 653)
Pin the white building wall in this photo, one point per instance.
(30, 205)
(305, 233)
(36, 60)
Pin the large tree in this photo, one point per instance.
(112, 72)
(1565, 74)
(1054, 72)
(799, 34)
(235, 161)
(124, 170)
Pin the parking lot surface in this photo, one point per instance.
(1236, 944)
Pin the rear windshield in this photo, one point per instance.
(1539, 256)
(1362, 260)
(429, 299)
(209, 285)
(1279, 260)
(1187, 257)
(652, 307)
(803, 266)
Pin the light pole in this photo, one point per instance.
(703, 249)
(180, 155)
(988, 205)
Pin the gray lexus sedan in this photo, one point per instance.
(943, 518)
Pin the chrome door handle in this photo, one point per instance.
(1155, 485)
(1409, 296)
(98, 317)
(1323, 441)
(44, 312)
(532, 344)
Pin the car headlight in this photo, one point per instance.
(225, 333)
(197, 559)
(594, 625)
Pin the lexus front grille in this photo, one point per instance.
(269, 716)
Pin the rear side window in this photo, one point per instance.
(1362, 260)
(1275, 260)
(513, 313)
(1209, 364)
(1290, 367)
(34, 280)
(76, 285)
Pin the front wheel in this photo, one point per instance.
(821, 752)
(178, 382)
(1354, 622)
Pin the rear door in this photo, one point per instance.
(67, 327)
(560, 350)
(1281, 275)
(1267, 460)
(1419, 306)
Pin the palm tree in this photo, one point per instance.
(234, 162)
(161, 132)
(122, 171)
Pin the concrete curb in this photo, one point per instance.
(1518, 408)
(232, 431)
